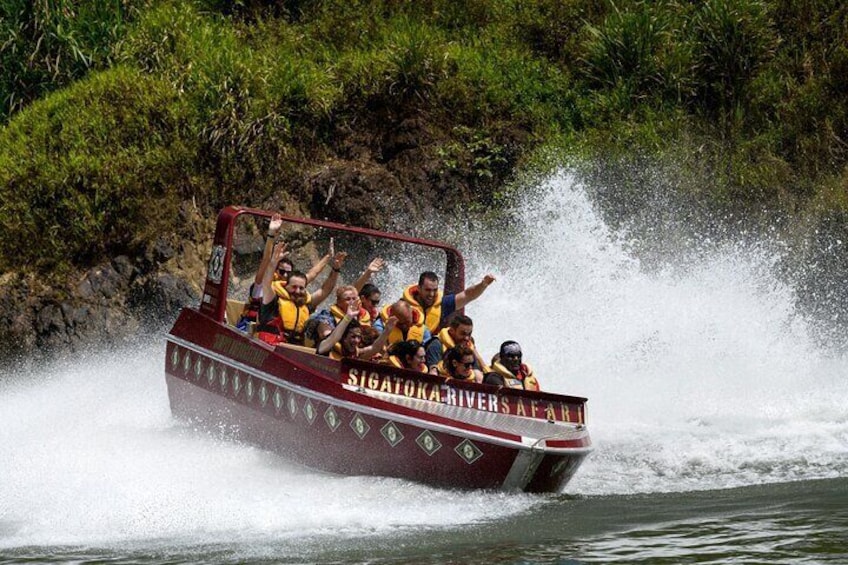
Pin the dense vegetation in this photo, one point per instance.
(115, 113)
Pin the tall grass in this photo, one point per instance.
(48, 44)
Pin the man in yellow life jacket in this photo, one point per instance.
(410, 323)
(434, 305)
(515, 374)
(458, 332)
(285, 308)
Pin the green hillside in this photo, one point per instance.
(116, 113)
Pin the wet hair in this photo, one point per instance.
(403, 348)
(460, 320)
(427, 276)
(353, 324)
(368, 290)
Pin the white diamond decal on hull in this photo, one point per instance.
(468, 451)
(392, 434)
(428, 442)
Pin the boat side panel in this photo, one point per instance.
(326, 430)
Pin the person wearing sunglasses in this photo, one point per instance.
(458, 363)
(457, 333)
(507, 363)
(370, 296)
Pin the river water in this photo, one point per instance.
(720, 431)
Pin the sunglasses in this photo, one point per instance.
(467, 365)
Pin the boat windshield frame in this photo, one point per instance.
(216, 286)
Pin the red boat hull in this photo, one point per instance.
(277, 401)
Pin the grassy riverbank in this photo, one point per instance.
(116, 114)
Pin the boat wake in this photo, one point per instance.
(698, 377)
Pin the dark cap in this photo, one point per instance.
(510, 348)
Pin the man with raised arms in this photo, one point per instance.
(434, 305)
(285, 307)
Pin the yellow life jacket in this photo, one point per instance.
(338, 314)
(415, 331)
(448, 342)
(525, 380)
(443, 372)
(433, 314)
(293, 317)
(395, 361)
(336, 352)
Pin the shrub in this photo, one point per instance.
(90, 171)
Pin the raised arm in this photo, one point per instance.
(336, 335)
(270, 235)
(374, 266)
(277, 255)
(473, 292)
(377, 346)
(330, 283)
(320, 265)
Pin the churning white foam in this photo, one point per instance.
(699, 376)
(89, 454)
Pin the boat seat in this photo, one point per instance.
(234, 310)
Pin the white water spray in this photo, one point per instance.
(696, 379)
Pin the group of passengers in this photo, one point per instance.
(409, 333)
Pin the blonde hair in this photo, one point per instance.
(342, 289)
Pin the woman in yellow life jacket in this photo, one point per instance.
(515, 374)
(458, 363)
(346, 337)
(408, 355)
